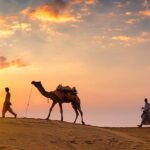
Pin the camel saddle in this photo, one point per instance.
(66, 89)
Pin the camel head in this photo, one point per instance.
(36, 84)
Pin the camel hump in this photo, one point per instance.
(67, 89)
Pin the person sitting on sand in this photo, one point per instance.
(7, 104)
(146, 111)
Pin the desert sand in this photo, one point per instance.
(38, 134)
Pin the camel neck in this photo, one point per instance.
(43, 91)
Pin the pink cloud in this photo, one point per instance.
(4, 63)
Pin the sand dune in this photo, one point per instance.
(36, 134)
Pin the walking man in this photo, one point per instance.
(7, 104)
(146, 111)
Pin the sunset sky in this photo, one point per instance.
(100, 46)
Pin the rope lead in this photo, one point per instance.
(26, 111)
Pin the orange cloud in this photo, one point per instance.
(57, 11)
(21, 25)
(145, 13)
(121, 38)
(77, 1)
(131, 21)
(1, 21)
(128, 13)
(10, 24)
(50, 13)
(5, 21)
(4, 63)
(4, 33)
(127, 40)
(146, 3)
(90, 2)
(118, 4)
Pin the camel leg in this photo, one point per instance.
(51, 108)
(77, 114)
(61, 111)
(81, 113)
(76, 111)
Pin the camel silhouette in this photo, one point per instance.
(60, 98)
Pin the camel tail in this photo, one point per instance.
(77, 102)
(77, 107)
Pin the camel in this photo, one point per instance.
(60, 98)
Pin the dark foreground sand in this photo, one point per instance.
(36, 134)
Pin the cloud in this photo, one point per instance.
(121, 38)
(128, 13)
(145, 13)
(57, 11)
(90, 2)
(21, 26)
(4, 63)
(128, 40)
(5, 30)
(146, 3)
(4, 33)
(76, 1)
(131, 21)
(118, 4)
(44, 13)
(10, 24)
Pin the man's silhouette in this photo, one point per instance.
(7, 104)
(146, 111)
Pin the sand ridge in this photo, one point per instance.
(38, 134)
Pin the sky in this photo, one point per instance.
(99, 46)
